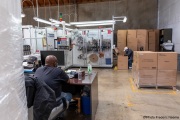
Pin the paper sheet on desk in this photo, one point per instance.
(69, 71)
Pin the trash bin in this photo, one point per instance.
(86, 105)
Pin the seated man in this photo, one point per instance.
(53, 77)
(129, 53)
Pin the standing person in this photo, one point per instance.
(53, 77)
(129, 53)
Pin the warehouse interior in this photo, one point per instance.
(114, 59)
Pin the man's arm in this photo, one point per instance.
(64, 76)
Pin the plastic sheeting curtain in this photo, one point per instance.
(12, 85)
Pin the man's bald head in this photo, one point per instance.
(51, 60)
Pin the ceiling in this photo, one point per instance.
(42, 3)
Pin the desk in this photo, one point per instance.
(92, 81)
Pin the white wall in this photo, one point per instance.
(169, 17)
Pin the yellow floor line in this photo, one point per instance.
(129, 101)
(134, 89)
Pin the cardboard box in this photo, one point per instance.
(134, 71)
(157, 38)
(122, 33)
(121, 36)
(121, 39)
(144, 45)
(152, 47)
(131, 33)
(147, 60)
(166, 77)
(122, 63)
(152, 37)
(167, 60)
(147, 77)
(120, 47)
(142, 33)
(132, 44)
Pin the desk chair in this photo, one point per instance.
(54, 111)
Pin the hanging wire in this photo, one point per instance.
(44, 10)
(49, 9)
(31, 3)
(58, 10)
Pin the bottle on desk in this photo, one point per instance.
(89, 69)
(79, 74)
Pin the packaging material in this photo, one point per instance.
(12, 84)
(146, 60)
(146, 77)
(166, 77)
(132, 43)
(167, 60)
(122, 62)
(132, 33)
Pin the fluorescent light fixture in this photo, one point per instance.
(121, 18)
(93, 22)
(27, 26)
(69, 29)
(101, 24)
(125, 19)
(58, 22)
(41, 20)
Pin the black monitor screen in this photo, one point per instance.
(59, 55)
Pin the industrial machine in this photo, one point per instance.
(93, 46)
(80, 47)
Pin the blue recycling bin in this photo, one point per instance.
(86, 105)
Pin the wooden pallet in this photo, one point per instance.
(156, 87)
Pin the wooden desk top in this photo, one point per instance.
(87, 81)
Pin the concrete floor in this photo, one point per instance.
(119, 99)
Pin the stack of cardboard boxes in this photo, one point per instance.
(145, 68)
(132, 40)
(154, 68)
(167, 69)
(121, 40)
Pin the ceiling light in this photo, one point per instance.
(93, 22)
(125, 19)
(41, 20)
(101, 24)
(120, 18)
(69, 29)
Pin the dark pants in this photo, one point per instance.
(130, 63)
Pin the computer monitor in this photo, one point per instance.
(59, 55)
